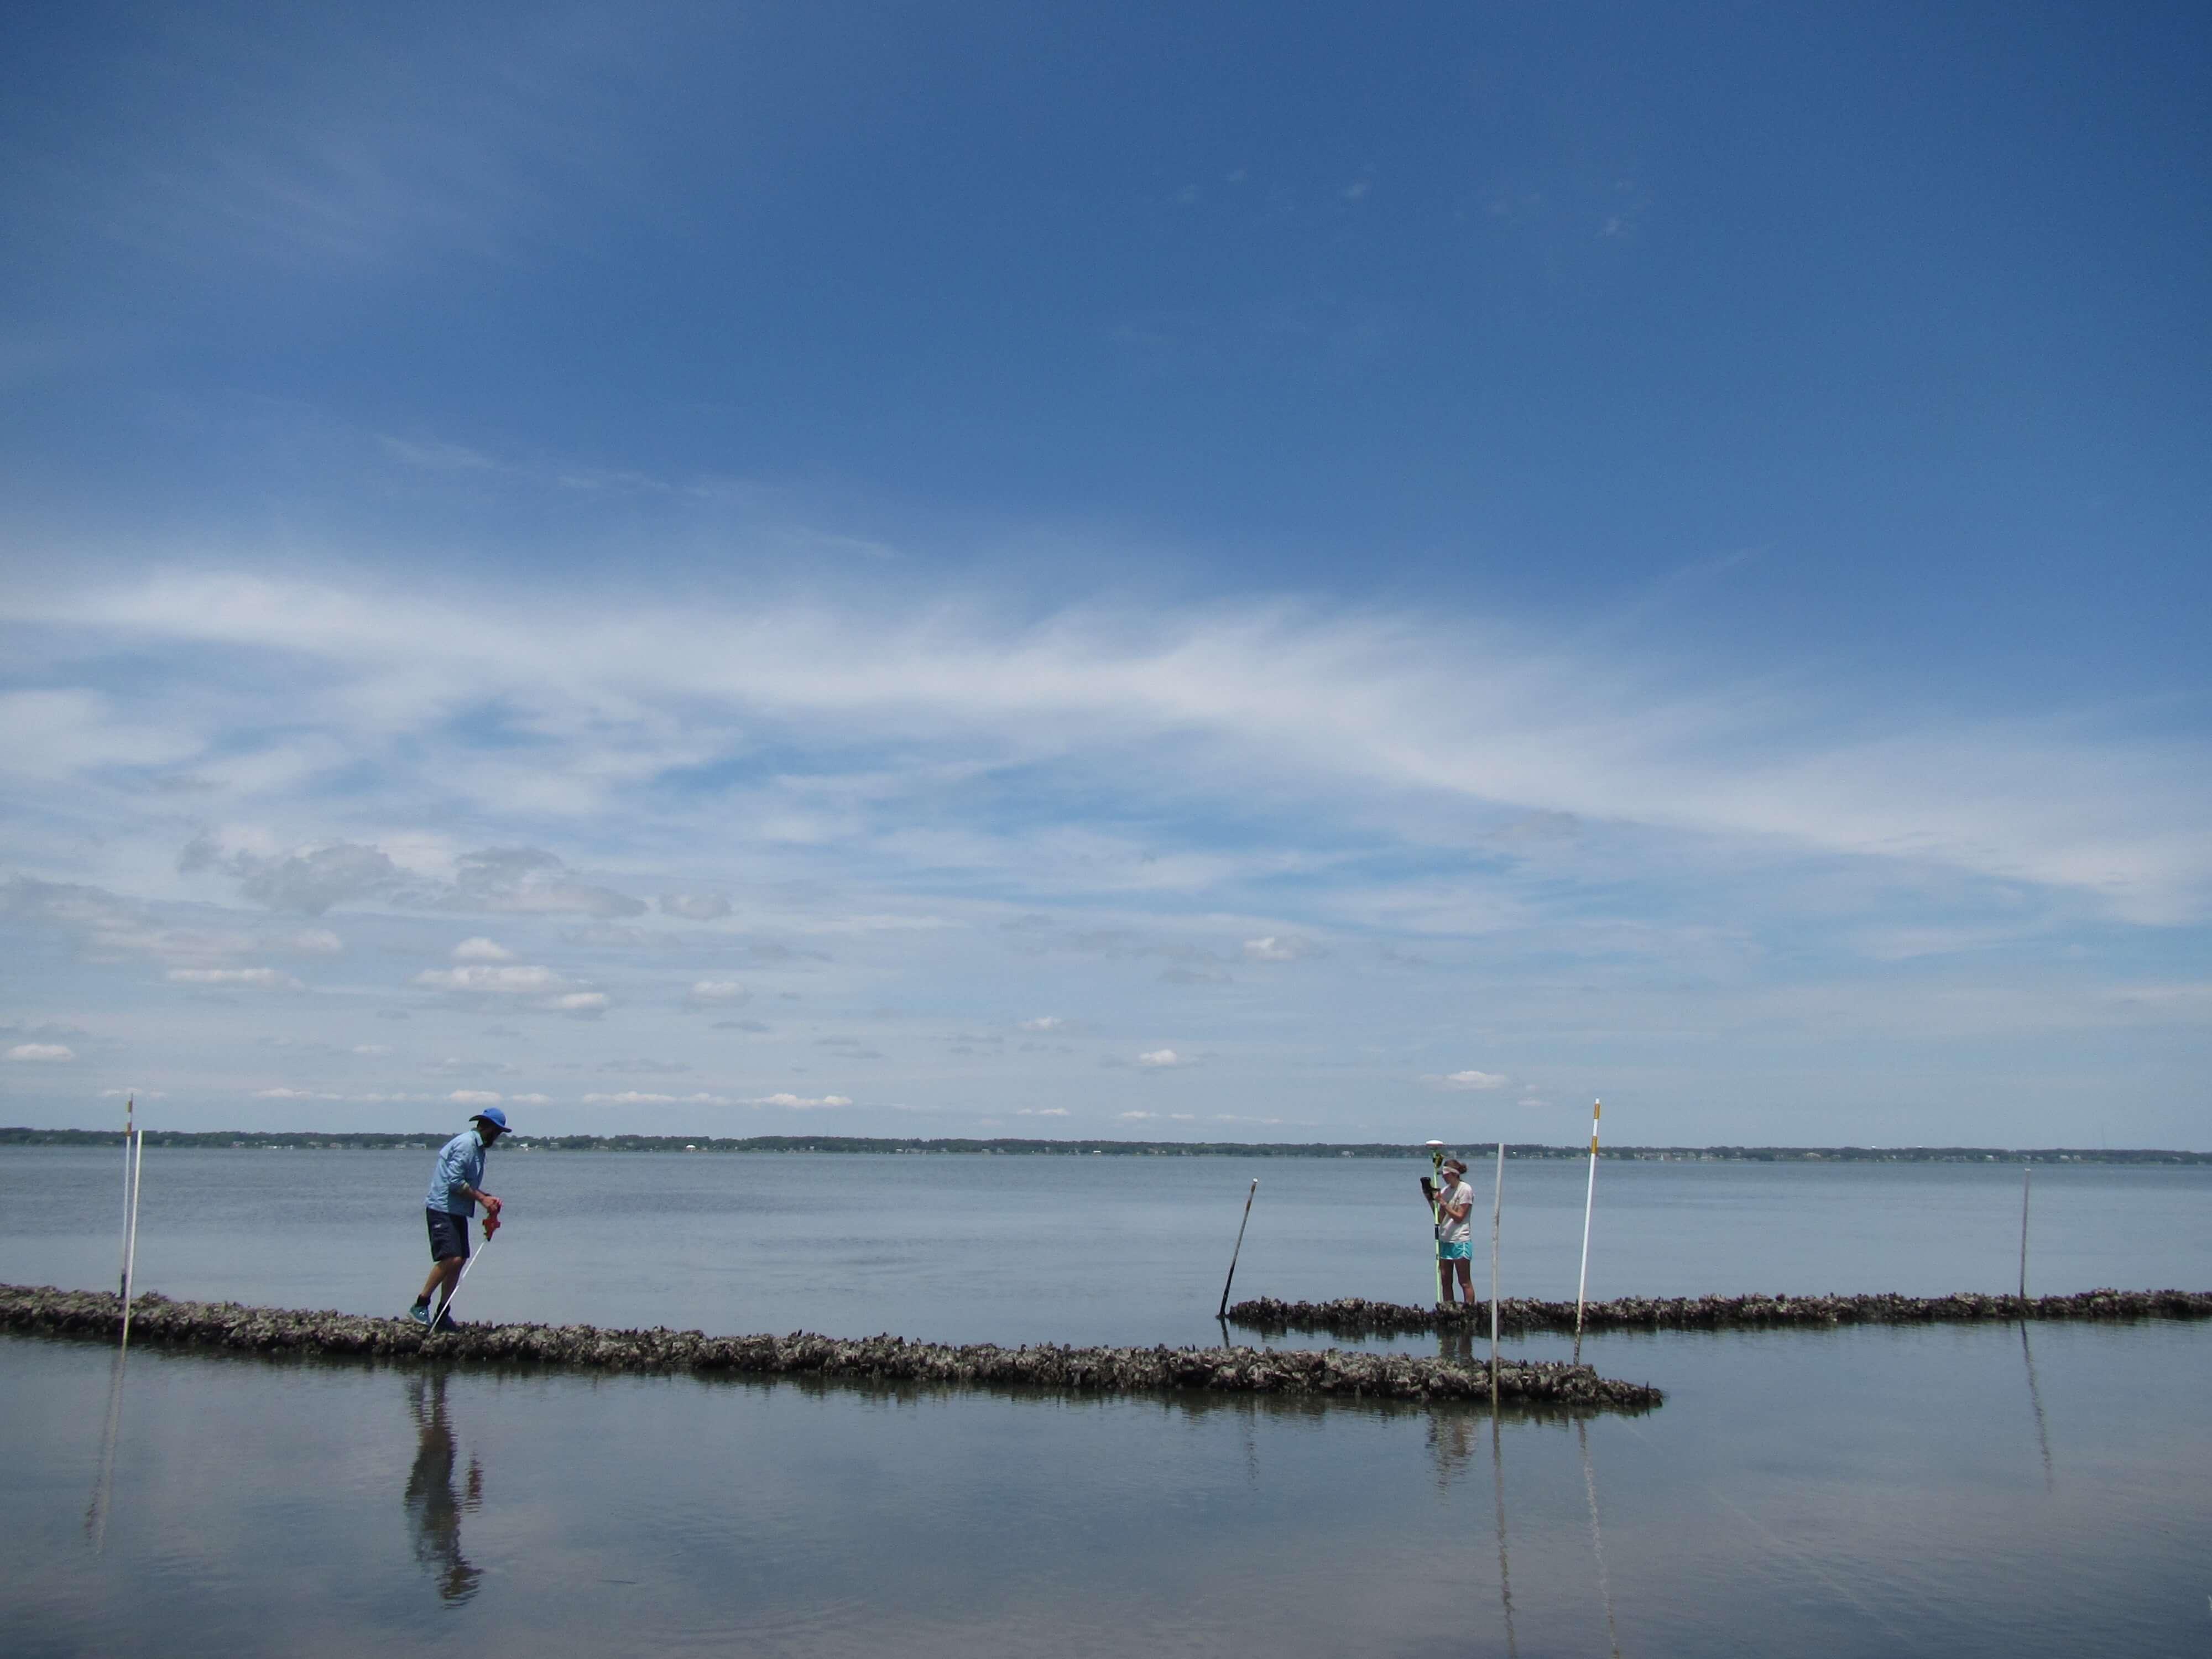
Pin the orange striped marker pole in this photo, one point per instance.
(1589, 1202)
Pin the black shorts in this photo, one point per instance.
(449, 1235)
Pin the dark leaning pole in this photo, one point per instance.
(1222, 1312)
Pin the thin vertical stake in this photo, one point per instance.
(1589, 1202)
(1437, 1212)
(2026, 1176)
(1223, 1311)
(1497, 1209)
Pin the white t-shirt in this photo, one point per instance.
(1450, 1231)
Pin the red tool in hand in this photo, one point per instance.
(492, 1225)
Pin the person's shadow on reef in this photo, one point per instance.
(434, 1508)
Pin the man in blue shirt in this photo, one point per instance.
(456, 1188)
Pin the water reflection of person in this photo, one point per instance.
(1452, 1440)
(1458, 1345)
(434, 1510)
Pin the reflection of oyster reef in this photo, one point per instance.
(434, 1510)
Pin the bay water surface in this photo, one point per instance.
(1983, 1490)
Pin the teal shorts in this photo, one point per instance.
(1461, 1251)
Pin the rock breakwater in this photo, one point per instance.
(877, 1361)
(1355, 1317)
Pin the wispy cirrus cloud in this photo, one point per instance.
(1466, 712)
(1149, 817)
(496, 881)
(639, 1098)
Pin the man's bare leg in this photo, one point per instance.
(447, 1272)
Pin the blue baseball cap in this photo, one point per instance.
(491, 1115)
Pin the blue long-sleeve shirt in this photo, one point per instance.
(460, 1166)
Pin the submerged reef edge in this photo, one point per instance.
(880, 1360)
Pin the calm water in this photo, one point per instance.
(1939, 1492)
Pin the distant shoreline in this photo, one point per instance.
(340, 1140)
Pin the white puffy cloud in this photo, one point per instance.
(294, 1094)
(1043, 1022)
(259, 979)
(42, 1053)
(799, 1102)
(1042, 1111)
(1276, 948)
(520, 986)
(483, 979)
(475, 1097)
(530, 1100)
(482, 950)
(1160, 1057)
(1140, 1115)
(721, 993)
(1466, 1080)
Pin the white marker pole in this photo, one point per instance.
(123, 1267)
(131, 1250)
(1589, 1202)
(2026, 1176)
(1497, 1209)
(446, 1307)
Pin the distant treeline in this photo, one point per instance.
(318, 1140)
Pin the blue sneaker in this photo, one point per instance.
(420, 1314)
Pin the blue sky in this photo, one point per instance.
(1259, 571)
